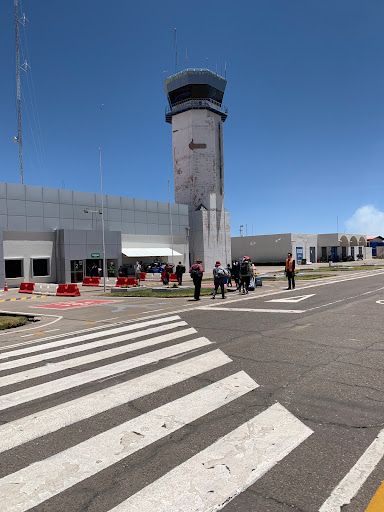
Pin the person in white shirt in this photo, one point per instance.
(137, 271)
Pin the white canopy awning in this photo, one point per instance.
(133, 252)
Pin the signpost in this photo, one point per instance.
(299, 254)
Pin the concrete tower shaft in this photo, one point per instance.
(197, 115)
(197, 141)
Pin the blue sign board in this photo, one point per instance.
(299, 254)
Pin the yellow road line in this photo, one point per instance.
(377, 502)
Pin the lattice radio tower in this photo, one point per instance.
(19, 138)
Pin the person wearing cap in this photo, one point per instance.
(196, 272)
(246, 273)
(219, 272)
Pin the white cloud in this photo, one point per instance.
(367, 220)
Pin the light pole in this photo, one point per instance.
(170, 218)
(102, 219)
(101, 212)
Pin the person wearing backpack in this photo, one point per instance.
(196, 272)
(219, 273)
(180, 269)
(246, 273)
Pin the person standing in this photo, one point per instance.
(236, 274)
(120, 272)
(196, 271)
(137, 271)
(180, 269)
(290, 271)
(169, 270)
(246, 274)
(229, 276)
(94, 270)
(165, 276)
(219, 273)
(111, 270)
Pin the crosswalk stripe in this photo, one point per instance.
(253, 310)
(349, 486)
(88, 458)
(102, 372)
(87, 346)
(91, 358)
(207, 481)
(42, 423)
(85, 337)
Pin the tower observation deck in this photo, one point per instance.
(195, 89)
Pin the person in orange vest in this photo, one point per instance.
(290, 271)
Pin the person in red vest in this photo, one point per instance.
(290, 271)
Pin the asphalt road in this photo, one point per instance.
(267, 402)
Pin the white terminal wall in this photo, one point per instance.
(275, 247)
(340, 239)
(305, 241)
(28, 213)
(26, 246)
(262, 247)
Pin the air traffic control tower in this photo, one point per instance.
(196, 113)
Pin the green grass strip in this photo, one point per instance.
(7, 322)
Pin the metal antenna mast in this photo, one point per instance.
(19, 138)
(175, 51)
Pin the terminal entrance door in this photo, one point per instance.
(324, 253)
(77, 271)
(312, 254)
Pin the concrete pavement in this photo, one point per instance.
(267, 402)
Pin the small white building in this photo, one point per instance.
(304, 247)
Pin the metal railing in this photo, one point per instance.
(196, 103)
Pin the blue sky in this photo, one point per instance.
(304, 139)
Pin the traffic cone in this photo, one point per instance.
(5, 287)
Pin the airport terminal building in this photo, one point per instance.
(55, 235)
(309, 247)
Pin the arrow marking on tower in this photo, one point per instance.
(299, 298)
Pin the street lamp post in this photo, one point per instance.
(102, 219)
(101, 212)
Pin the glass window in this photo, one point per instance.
(14, 269)
(40, 267)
